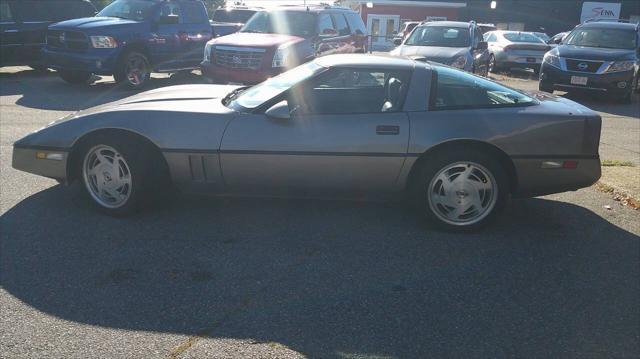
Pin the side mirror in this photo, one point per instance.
(397, 41)
(169, 20)
(482, 45)
(329, 33)
(279, 111)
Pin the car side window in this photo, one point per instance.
(355, 23)
(454, 90)
(5, 12)
(477, 36)
(193, 12)
(348, 91)
(491, 38)
(325, 23)
(341, 24)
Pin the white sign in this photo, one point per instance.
(599, 10)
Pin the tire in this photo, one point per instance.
(133, 70)
(122, 190)
(626, 98)
(536, 71)
(455, 203)
(75, 77)
(546, 87)
(493, 66)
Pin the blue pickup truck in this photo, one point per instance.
(130, 39)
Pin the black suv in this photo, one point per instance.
(600, 56)
(23, 27)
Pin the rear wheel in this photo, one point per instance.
(133, 70)
(460, 190)
(75, 77)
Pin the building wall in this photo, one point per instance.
(409, 12)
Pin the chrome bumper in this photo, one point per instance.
(47, 162)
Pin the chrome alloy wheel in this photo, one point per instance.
(107, 176)
(462, 193)
(136, 70)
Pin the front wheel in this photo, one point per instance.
(75, 77)
(461, 190)
(493, 66)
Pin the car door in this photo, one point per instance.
(165, 42)
(346, 41)
(9, 33)
(338, 138)
(328, 41)
(195, 32)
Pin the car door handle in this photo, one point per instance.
(387, 130)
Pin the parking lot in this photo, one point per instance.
(555, 276)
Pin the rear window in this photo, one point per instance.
(522, 37)
(236, 16)
(439, 36)
(296, 23)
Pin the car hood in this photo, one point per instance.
(443, 55)
(183, 98)
(251, 39)
(94, 23)
(593, 53)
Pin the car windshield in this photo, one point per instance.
(136, 10)
(259, 94)
(233, 15)
(439, 36)
(297, 23)
(522, 37)
(604, 38)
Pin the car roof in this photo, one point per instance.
(366, 61)
(447, 23)
(609, 25)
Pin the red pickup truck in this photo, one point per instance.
(275, 40)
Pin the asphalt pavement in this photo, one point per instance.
(555, 276)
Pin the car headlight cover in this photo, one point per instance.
(618, 66)
(460, 62)
(552, 60)
(103, 42)
(207, 52)
(280, 58)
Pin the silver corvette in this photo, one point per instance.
(458, 145)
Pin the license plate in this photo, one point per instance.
(531, 59)
(579, 80)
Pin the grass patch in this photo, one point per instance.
(616, 163)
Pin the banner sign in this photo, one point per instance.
(599, 10)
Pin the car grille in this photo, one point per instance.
(583, 65)
(238, 57)
(71, 40)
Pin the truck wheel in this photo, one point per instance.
(133, 70)
(546, 87)
(75, 77)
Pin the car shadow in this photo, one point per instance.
(331, 278)
(600, 103)
(46, 91)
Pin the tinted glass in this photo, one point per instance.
(297, 23)
(194, 12)
(346, 91)
(355, 23)
(461, 90)
(5, 12)
(341, 24)
(136, 10)
(233, 15)
(439, 36)
(521, 37)
(603, 38)
(325, 23)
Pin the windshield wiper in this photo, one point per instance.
(231, 95)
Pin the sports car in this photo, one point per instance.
(455, 144)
